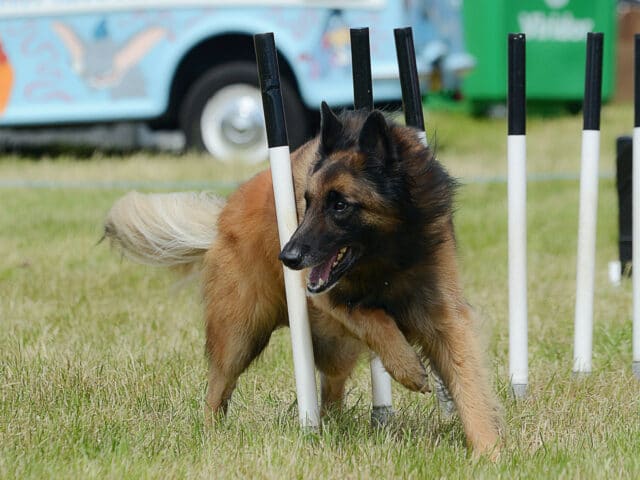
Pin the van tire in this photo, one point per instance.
(219, 87)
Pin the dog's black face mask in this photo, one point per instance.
(344, 212)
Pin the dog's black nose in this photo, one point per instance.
(291, 256)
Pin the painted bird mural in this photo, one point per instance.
(105, 64)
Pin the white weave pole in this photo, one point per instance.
(381, 399)
(280, 161)
(636, 214)
(517, 215)
(583, 335)
(414, 117)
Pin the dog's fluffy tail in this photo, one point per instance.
(168, 229)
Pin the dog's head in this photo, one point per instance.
(350, 199)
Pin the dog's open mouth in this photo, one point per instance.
(326, 275)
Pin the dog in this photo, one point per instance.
(376, 239)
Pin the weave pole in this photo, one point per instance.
(361, 69)
(381, 398)
(409, 81)
(517, 214)
(414, 117)
(635, 222)
(583, 335)
(280, 161)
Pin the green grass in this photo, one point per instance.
(102, 371)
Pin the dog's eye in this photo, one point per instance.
(339, 206)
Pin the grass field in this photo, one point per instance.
(102, 371)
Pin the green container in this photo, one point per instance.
(556, 33)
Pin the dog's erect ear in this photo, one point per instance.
(330, 128)
(375, 138)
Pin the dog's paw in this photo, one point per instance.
(414, 377)
(422, 384)
(486, 445)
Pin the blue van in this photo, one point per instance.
(189, 64)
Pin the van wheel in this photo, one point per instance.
(222, 114)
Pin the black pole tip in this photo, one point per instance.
(362, 32)
(636, 80)
(593, 81)
(361, 69)
(409, 81)
(269, 78)
(516, 89)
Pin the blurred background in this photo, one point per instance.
(180, 76)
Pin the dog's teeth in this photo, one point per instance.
(320, 282)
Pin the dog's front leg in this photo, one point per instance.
(456, 354)
(376, 329)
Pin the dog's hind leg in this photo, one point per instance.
(332, 392)
(239, 323)
(454, 350)
(232, 344)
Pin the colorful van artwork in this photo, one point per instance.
(6, 79)
(190, 64)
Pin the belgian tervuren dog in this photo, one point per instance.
(376, 236)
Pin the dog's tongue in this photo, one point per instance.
(322, 271)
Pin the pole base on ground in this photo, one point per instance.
(580, 374)
(636, 369)
(380, 416)
(519, 390)
(310, 431)
(447, 407)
